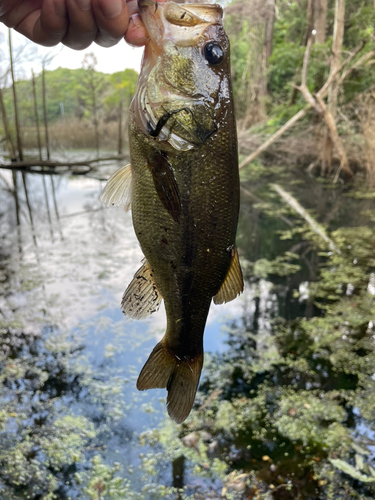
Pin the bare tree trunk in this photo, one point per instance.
(18, 130)
(335, 139)
(267, 45)
(338, 35)
(36, 117)
(320, 9)
(309, 20)
(6, 128)
(120, 141)
(45, 111)
(270, 23)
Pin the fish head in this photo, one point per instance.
(184, 83)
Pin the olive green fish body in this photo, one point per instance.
(189, 257)
(183, 187)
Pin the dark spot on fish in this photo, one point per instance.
(165, 241)
(183, 15)
(149, 128)
(204, 134)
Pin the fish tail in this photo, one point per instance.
(179, 375)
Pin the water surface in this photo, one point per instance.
(72, 424)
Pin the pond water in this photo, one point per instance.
(286, 407)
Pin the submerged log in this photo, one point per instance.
(32, 165)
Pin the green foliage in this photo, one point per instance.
(285, 66)
(246, 25)
(71, 88)
(360, 23)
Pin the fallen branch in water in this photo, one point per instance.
(250, 194)
(315, 226)
(19, 165)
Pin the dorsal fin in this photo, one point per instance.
(142, 297)
(118, 190)
(233, 282)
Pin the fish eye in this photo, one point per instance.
(213, 52)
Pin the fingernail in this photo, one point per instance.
(111, 8)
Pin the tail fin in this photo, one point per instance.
(180, 376)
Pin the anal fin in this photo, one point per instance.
(118, 190)
(142, 297)
(180, 376)
(233, 282)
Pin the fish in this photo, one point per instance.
(182, 185)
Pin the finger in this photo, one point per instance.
(136, 33)
(46, 25)
(112, 19)
(82, 26)
(13, 13)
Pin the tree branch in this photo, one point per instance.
(303, 112)
(344, 165)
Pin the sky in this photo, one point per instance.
(110, 60)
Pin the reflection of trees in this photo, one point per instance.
(288, 405)
(297, 395)
(44, 375)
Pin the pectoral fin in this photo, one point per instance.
(165, 184)
(142, 297)
(233, 282)
(118, 190)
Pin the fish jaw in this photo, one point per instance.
(178, 92)
(170, 20)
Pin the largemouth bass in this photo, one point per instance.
(183, 188)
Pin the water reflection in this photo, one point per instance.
(63, 274)
(286, 405)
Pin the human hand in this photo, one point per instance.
(75, 23)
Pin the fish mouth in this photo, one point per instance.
(183, 23)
